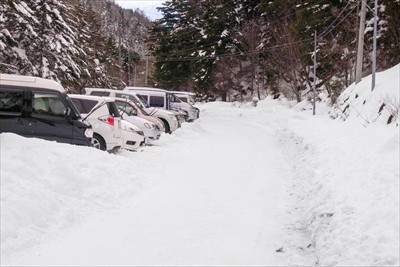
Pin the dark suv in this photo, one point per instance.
(36, 107)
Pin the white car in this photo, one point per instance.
(133, 138)
(188, 97)
(168, 118)
(103, 115)
(151, 132)
(151, 126)
(157, 97)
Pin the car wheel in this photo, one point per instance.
(98, 142)
(166, 126)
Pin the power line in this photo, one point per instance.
(265, 49)
(188, 32)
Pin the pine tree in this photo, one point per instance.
(289, 39)
(170, 41)
(17, 22)
(56, 50)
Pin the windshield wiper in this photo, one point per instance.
(94, 109)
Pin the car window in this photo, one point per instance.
(143, 100)
(78, 105)
(73, 107)
(126, 107)
(113, 109)
(84, 105)
(11, 102)
(49, 104)
(100, 93)
(88, 104)
(183, 98)
(130, 97)
(156, 101)
(174, 98)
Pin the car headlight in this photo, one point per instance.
(128, 128)
(149, 126)
(89, 132)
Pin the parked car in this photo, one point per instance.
(151, 126)
(151, 132)
(168, 118)
(37, 107)
(180, 114)
(188, 97)
(103, 115)
(165, 99)
(133, 137)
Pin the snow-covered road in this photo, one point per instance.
(219, 197)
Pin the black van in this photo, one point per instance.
(36, 107)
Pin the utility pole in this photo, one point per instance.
(134, 77)
(119, 50)
(360, 42)
(374, 45)
(315, 70)
(147, 70)
(129, 68)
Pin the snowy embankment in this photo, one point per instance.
(333, 186)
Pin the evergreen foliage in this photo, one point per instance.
(229, 48)
(75, 42)
(243, 47)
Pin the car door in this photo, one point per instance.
(13, 115)
(49, 118)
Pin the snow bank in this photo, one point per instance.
(346, 176)
(346, 186)
(382, 105)
(46, 187)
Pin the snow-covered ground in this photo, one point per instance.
(268, 185)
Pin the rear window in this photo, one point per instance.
(11, 102)
(88, 104)
(99, 93)
(84, 105)
(113, 109)
(156, 101)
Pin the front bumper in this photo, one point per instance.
(132, 141)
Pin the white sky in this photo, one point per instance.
(148, 6)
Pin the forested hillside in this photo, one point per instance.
(247, 48)
(76, 42)
(232, 49)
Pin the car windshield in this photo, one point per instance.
(128, 109)
(142, 110)
(143, 101)
(174, 98)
